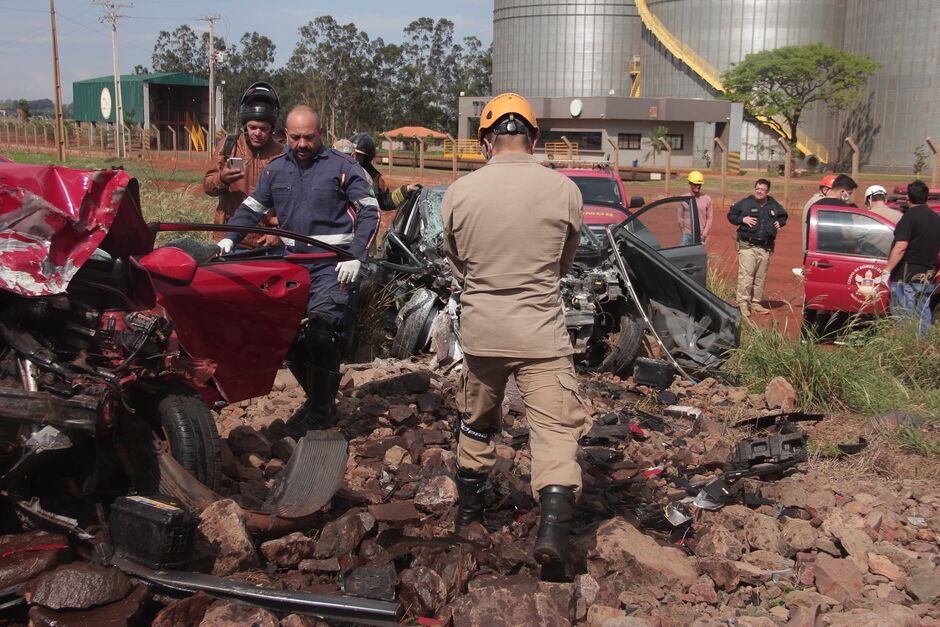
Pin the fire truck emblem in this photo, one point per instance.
(863, 283)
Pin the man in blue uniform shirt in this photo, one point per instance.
(322, 193)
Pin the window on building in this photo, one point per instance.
(675, 141)
(586, 140)
(628, 141)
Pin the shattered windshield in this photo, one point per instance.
(599, 191)
(431, 212)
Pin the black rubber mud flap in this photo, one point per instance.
(314, 473)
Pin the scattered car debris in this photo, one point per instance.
(605, 321)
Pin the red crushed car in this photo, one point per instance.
(113, 351)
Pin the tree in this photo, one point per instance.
(176, 51)
(250, 61)
(22, 109)
(780, 84)
(920, 159)
(331, 70)
(183, 50)
(656, 146)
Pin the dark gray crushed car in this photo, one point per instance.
(604, 321)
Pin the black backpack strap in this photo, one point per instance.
(229, 148)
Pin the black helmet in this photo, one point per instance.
(365, 145)
(259, 103)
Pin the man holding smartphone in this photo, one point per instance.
(241, 158)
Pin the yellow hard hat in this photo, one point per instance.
(696, 178)
(503, 105)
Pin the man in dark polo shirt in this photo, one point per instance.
(912, 263)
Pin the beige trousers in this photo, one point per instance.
(556, 416)
(753, 263)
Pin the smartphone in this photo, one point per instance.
(235, 163)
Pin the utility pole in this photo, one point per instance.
(59, 126)
(210, 141)
(111, 15)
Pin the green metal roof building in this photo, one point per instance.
(165, 98)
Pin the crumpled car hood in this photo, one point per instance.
(53, 218)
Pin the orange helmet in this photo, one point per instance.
(503, 105)
(828, 180)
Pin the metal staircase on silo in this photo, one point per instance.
(679, 49)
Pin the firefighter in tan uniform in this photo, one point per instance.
(512, 229)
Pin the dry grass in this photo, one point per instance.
(177, 204)
(375, 306)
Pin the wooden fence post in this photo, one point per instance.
(453, 157)
(570, 152)
(615, 154)
(785, 144)
(724, 167)
(854, 147)
(391, 143)
(935, 159)
(420, 156)
(668, 148)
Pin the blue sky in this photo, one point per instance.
(85, 43)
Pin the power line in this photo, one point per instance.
(21, 10)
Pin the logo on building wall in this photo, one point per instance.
(863, 283)
(105, 103)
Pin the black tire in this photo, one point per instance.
(412, 335)
(417, 316)
(624, 346)
(194, 441)
(935, 315)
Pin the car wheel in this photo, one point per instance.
(190, 430)
(624, 346)
(414, 325)
(935, 315)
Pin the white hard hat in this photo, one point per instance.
(875, 189)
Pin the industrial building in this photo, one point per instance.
(172, 104)
(679, 48)
(617, 129)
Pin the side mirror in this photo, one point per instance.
(170, 264)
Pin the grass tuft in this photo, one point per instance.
(888, 367)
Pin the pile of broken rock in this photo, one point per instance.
(676, 526)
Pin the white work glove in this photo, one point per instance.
(225, 245)
(347, 271)
(885, 278)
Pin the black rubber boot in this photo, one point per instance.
(553, 547)
(470, 486)
(314, 361)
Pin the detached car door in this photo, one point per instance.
(659, 226)
(240, 315)
(847, 250)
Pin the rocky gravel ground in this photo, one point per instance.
(674, 527)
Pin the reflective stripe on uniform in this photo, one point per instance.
(336, 239)
(367, 201)
(254, 205)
